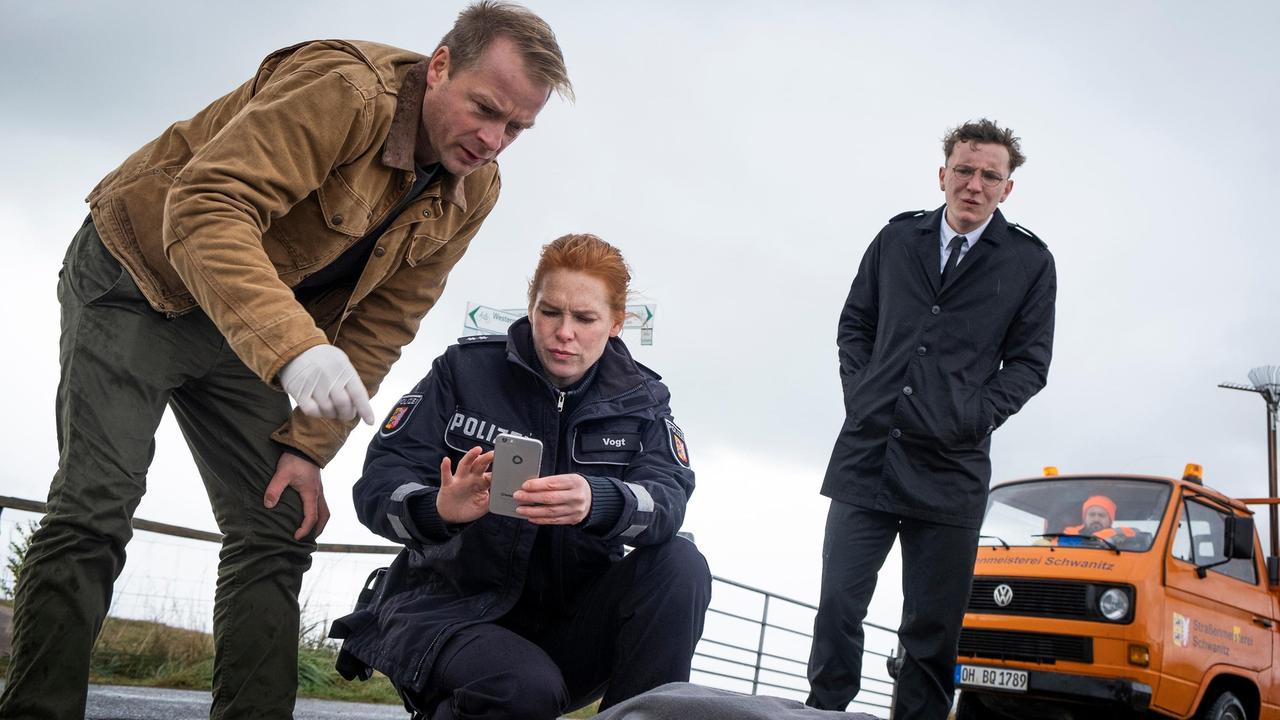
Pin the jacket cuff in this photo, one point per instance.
(316, 438)
(421, 510)
(607, 505)
(290, 450)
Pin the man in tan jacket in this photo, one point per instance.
(286, 241)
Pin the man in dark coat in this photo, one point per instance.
(947, 332)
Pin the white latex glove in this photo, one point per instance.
(324, 384)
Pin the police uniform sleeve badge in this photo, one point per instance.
(679, 447)
(399, 415)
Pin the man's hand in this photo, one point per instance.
(324, 384)
(554, 500)
(304, 477)
(464, 496)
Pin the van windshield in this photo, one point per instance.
(1100, 513)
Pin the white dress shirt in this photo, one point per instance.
(970, 239)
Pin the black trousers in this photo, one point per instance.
(937, 570)
(634, 629)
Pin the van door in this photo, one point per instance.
(1220, 619)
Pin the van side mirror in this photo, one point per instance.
(1237, 542)
(1273, 570)
(1239, 537)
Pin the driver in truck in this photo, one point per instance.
(1097, 518)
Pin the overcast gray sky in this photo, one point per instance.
(743, 155)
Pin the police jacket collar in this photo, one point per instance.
(617, 373)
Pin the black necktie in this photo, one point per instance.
(953, 248)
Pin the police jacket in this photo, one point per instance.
(930, 370)
(620, 433)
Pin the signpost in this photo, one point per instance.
(485, 320)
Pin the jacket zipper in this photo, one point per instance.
(560, 402)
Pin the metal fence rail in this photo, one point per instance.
(778, 657)
(754, 640)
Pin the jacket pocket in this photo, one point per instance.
(343, 209)
(422, 247)
(976, 419)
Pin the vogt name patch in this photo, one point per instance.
(399, 415)
(599, 442)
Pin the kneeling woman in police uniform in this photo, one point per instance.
(488, 616)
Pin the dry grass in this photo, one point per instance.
(147, 653)
(136, 652)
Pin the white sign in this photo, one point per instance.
(485, 320)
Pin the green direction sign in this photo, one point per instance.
(484, 320)
(639, 316)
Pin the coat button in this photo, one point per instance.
(922, 350)
(426, 213)
(907, 390)
(895, 433)
(379, 251)
(935, 309)
(336, 219)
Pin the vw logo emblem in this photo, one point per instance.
(1003, 595)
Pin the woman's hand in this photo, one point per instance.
(464, 496)
(554, 500)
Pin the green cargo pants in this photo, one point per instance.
(122, 363)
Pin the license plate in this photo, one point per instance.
(987, 677)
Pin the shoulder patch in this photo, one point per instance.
(475, 339)
(908, 214)
(399, 415)
(679, 448)
(1027, 233)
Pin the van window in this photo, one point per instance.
(1199, 540)
(1051, 512)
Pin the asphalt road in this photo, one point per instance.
(117, 702)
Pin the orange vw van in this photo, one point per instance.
(1168, 612)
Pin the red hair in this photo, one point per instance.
(586, 253)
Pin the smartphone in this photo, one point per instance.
(515, 459)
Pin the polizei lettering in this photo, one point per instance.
(477, 429)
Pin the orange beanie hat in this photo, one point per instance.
(1101, 501)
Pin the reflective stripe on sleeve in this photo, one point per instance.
(644, 504)
(399, 527)
(644, 501)
(396, 508)
(405, 489)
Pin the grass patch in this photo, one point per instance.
(151, 654)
